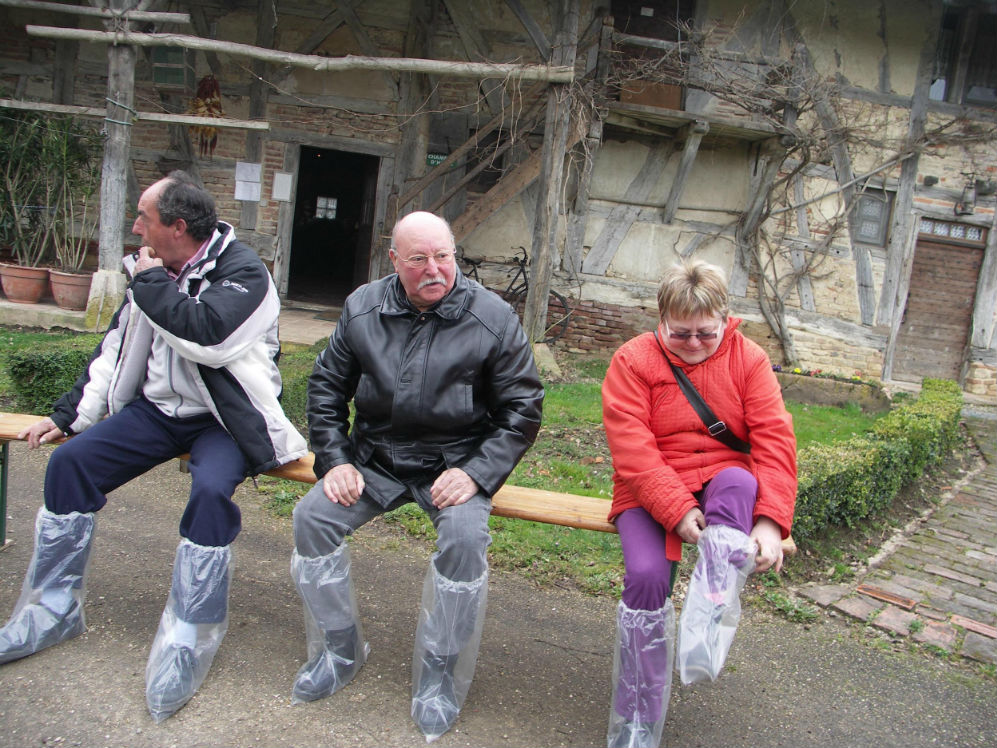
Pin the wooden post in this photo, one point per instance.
(266, 27)
(118, 125)
(693, 137)
(903, 202)
(108, 285)
(551, 176)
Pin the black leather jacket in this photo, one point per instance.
(454, 386)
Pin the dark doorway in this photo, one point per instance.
(333, 225)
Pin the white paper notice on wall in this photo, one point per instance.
(282, 186)
(247, 181)
(249, 191)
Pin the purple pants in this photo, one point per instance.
(728, 499)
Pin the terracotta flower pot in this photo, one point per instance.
(24, 285)
(70, 290)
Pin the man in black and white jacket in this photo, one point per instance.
(188, 365)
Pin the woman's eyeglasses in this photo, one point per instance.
(684, 337)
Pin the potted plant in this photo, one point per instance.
(25, 213)
(74, 155)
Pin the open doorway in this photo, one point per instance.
(333, 225)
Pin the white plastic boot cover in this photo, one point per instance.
(712, 607)
(191, 629)
(642, 676)
(446, 649)
(50, 608)
(336, 647)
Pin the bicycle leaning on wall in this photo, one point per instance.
(558, 309)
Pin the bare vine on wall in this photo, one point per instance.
(783, 236)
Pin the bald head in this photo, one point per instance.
(418, 223)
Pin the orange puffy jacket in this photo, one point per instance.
(662, 452)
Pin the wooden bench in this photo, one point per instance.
(534, 504)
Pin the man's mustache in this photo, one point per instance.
(431, 281)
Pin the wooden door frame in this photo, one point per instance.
(285, 215)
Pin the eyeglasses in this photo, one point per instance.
(684, 337)
(443, 257)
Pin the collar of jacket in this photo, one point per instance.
(451, 306)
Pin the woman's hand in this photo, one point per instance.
(691, 525)
(768, 535)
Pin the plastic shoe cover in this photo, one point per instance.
(712, 607)
(446, 649)
(642, 676)
(336, 649)
(50, 608)
(191, 629)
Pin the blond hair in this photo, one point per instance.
(691, 288)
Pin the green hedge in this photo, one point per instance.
(40, 375)
(846, 482)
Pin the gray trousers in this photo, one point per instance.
(462, 537)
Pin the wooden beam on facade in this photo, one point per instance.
(179, 119)
(551, 73)
(506, 115)
(202, 28)
(476, 47)
(321, 32)
(574, 238)
(107, 14)
(532, 28)
(526, 124)
(986, 291)
(622, 217)
(266, 31)
(510, 185)
(796, 256)
(903, 202)
(693, 137)
(559, 136)
(367, 46)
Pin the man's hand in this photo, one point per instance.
(691, 525)
(42, 432)
(768, 535)
(452, 487)
(147, 259)
(343, 484)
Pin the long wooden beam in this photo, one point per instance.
(178, 119)
(482, 70)
(106, 13)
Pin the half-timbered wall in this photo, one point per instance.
(670, 169)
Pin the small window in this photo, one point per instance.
(170, 68)
(966, 58)
(325, 207)
(872, 217)
(653, 19)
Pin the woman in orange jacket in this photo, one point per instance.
(676, 480)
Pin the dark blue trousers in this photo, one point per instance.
(83, 470)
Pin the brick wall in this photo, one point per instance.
(598, 327)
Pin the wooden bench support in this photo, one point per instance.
(534, 504)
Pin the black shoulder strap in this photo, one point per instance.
(717, 428)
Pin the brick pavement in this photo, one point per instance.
(936, 583)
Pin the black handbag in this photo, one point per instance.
(717, 428)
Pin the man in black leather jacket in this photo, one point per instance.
(447, 401)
